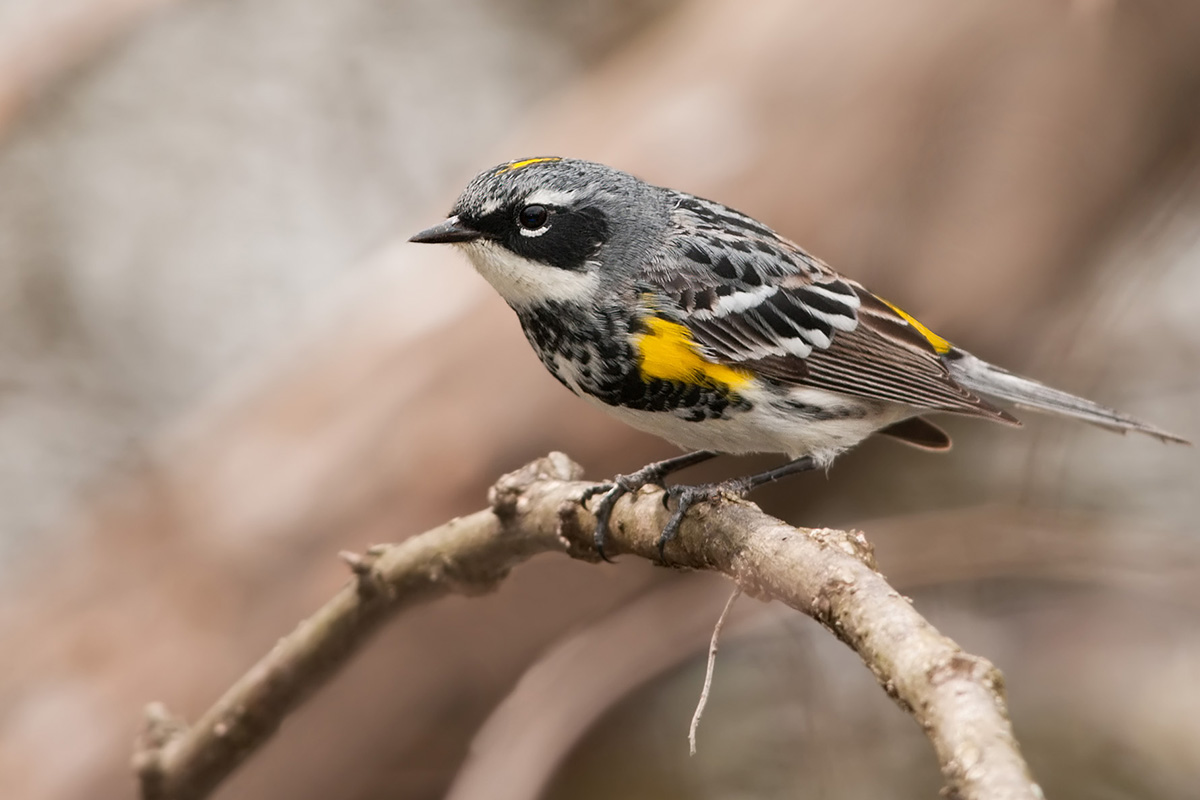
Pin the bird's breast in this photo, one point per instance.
(656, 367)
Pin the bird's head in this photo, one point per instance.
(548, 229)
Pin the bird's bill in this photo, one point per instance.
(452, 230)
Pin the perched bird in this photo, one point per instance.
(695, 322)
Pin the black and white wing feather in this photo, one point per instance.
(757, 301)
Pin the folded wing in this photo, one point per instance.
(759, 302)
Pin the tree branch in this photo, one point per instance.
(957, 698)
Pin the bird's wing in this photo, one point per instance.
(755, 301)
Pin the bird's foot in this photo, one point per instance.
(687, 496)
(649, 475)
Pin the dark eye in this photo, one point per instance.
(533, 217)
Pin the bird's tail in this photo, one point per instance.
(980, 376)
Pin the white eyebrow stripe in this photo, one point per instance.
(551, 197)
(489, 207)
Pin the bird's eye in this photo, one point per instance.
(533, 217)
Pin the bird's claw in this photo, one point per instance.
(687, 496)
(621, 485)
(650, 475)
(612, 492)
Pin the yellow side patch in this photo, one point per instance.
(516, 165)
(939, 344)
(668, 353)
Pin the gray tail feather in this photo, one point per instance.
(980, 376)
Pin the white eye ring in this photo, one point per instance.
(531, 227)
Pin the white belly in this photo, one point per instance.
(769, 428)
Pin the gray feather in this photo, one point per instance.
(984, 378)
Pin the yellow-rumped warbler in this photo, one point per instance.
(692, 321)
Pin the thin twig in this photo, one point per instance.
(830, 575)
(708, 670)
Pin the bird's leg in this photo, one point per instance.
(687, 496)
(624, 484)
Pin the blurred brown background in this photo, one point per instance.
(220, 364)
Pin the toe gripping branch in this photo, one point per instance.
(685, 496)
(651, 474)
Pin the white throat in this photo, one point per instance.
(524, 283)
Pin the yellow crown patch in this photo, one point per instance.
(516, 165)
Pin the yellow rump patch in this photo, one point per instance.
(516, 165)
(668, 353)
(939, 344)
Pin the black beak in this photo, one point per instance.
(452, 230)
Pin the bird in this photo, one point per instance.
(697, 323)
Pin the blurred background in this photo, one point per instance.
(220, 364)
